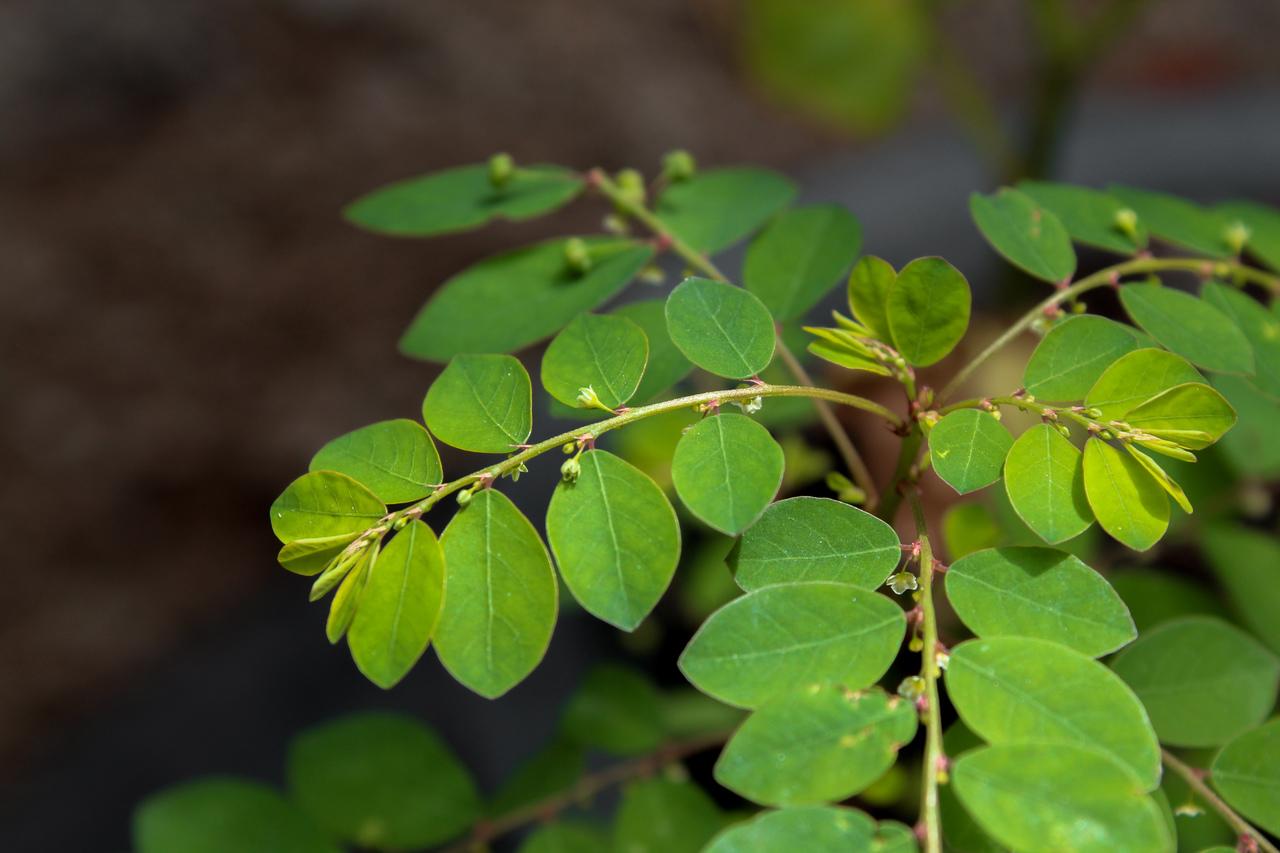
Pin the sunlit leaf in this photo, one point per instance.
(1044, 478)
(481, 403)
(1192, 415)
(726, 470)
(721, 328)
(798, 258)
(1127, 501)
(311, 556)
(396, 460)
(814, 829)
(928, 310)
(1135, 378)
(602, 352)
(718, 207)
(968, 449)
(1069, 360)
(322, 505)
(1028, 236)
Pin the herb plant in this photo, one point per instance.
(1077, 716)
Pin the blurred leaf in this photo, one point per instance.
(602, 352)
(1135, 378)
(481, 403)
(566, 837)
(869, 286)
(1247, 564)
(1128, 502)
(968, 527)
(667, 365)
(1025, 234)
(706, 583)
(663, 816)
(968, 448)
(1044, 477)
(1264, 229)
(323, 505)
(1252, 446)
(1247, 775)
(1177, 221)
(1260, 327)
(614, 709)
(396, 460)
(1090, 216)
(721, 328)
(1155, 595)
(552, 770)
(726, 470)
(1069, 360)
(813, 829)
(798, 258)
(687, 713)
(1189, 326)
(718, 207)
(928, 310)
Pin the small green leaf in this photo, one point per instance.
(566, 837)
(1128, 502)
(726, 470)
(1192, 415)
(1028, 236)
(1177, 221)
(616, 710)
(1044, 478)
(960, 832)
(345, 601)
(797, 259)
(1191, 327)
(1090, 216)
(381, 780)
(665, 816)
(1245, 563)
(869, 286)
(1247, 775)
(501, 601)
(1260, 326)
(718, 207)
(721, 328)
(1035, 797)
(1170, 486)
(1136, 378)
(481, 403)
(667, 365)
(604, 353)
(552, 770)
(519, 297)
(788, 637)
(1067, 363)
(615, 537)
(928, 310)
(967, 449)
(813, 829)
(324, 504)
(310, 556)
(815, 539)
(1042, 593)
(815, 746)
(1025, 690)
(1264, 229)
(1157, 595)
(396, 460)
(400, 606)
(1202, 681)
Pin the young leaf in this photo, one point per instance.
(1028, 236)
(1245, 561)
(785, 638)
(1177, 221)
(1260, 326)
(220, 814)
(717, 208)
(1192, 415)
(819, 745)
(667, 365)
(664, 816)
(721, 328)
(1042, 593)
(481, 403)
(460, 199)
(566, 837)
(519, 297)
(815, 539)
(1202, 681)
(615, 537)
(1044, 478)
(604, 353)
(1039, 796)
(345, 601)
(797, 259)
(1025, 690)
(1191, 327)
(381, 780)
(1090, 216)
(310, 556)
(501, 603)
(1069, 360)
(400, 606)
(1136, 378)
(396, 460)
(814, 829)
(1170, 486)
(967, 449)
(616, 710)
(1247, 775)
(1156, 595)
(869, 286)
(324, 504)
(1128, 502)
(726, 470)
(928, 310)
(1264, 229)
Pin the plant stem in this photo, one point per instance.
(907, 451)
(1195, 780)
(933, 754)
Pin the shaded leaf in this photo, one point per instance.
(396, 460)
(602, 352)
(968, 448)
(969, 527)
(614, 709)
(718, 207)
(1247, 564)
(721, 328)
(1090, 216)
(323, 505)
(1264, 229)
(664, 816)
(1191, 327)
(1260, 326)
(1127, 501)
(797, 259)
(481, 403)
(1028, 236)
(667, 365)
(1177, 221)
(1247, 775)
(1157, 595)
(1071, 358)
(218, 814)
(928, 310)
(726, 470)
(1044, 478)
(1252, 446)
(566, 837)
(553, 769)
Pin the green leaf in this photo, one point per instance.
(665, 816)
(481, 403)
(382, 780)
(1044, 478)
(721, 328)
(967, 449)
(687, 713)
(1154, 596)
(1264, 229)
(1245, 562)
(788, 637)
(969, 527)
(815, 539)
(797, 259)
(396, 460)
(324, 505)
(1071, 358)
(553, 769)
(815, 746)
(667, 365)
(218, 814)
(345, 601)
(1028, 236)
(1042, 593)
(502, 595)
(813, 829)
(614, 709)
(400, 606)
(928, 310)
(869, 285)
(1090, 216)
(615, 537)
(566, 837)
(311, 556)
(460, 199)
(1177, 221)
(519, 297)
(1128, 502)
(960, 832)
(1191, 327)
(726, 470)
(1035, 797)
(605, 353)
(1247, 775)
(1260, 326)
(1202, 681)
(1162, 478)
(1136, 378)
(718, 207)
(1192, 415)
(1027, 690)
(1252, 447)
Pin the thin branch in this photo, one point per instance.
(934, 757)
(1195, 779)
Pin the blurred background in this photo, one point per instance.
(186, 317)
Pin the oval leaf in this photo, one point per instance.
(324, 504)
(967, 449)
(1177, 221)
(797, 259)
(1247, 775)
(1136, 378)
(220, 814)
(1028, 236)
(726, 470)
(1090, 216)
(604, 353)
(667, 365)
(481, 403)
(721, 328)
(1071, 358)
(396, 460)
(665, 816)
(1128, 502)
(1244, 561)
(869, 286)
(1191, 327)
(718, 207)
(1260, 326)
(1044, 478)
(814, 829)
(616, 710)
(928, 310)
(1192, 415)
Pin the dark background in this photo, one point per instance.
(184, 317)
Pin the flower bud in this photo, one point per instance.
(577, 256)
(1126, 221)
(501, 169)
(464, 497)
(631, 186)
(1236, 235)
(570, 470)
(678, 165)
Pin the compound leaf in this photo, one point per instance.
(481, 403)
(1044, 478)
(1090, 216)
(798, 258)
(1028, 236)
(718, 207)
(968, 449)
(396, 460)
(602, 352)
(1074, 354)
(721, 328)
(1247, 775)
(1128, 502)
(928, 310)
(1189, 326)
(323, 505)
(726, 470)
